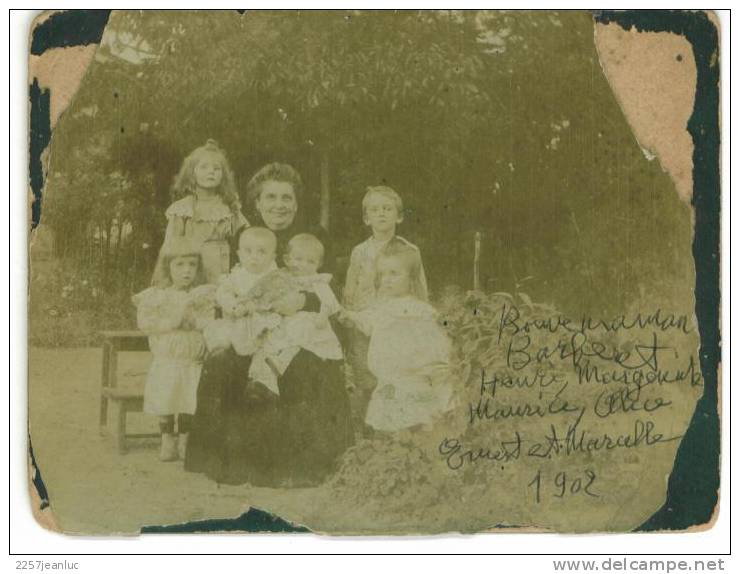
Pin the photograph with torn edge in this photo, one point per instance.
(373, 272)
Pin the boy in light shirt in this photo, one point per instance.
(382, 210)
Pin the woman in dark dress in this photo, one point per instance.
(242, 432)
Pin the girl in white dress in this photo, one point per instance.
(173, 312)
(409, 351)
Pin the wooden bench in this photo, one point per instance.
(123, 400)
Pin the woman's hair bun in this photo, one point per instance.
(211, 143)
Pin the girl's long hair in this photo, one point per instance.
(173, 248)
(184, 183)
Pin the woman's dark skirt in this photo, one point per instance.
(233, 437)
(315, 417)
(243, 433)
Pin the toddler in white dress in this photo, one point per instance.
(409, 351)
(172, 312)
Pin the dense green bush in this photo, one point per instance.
(67, 307)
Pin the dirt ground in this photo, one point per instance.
(93, 489)
(389, 485)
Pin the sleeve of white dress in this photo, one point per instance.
(238, 221)
(329, 303)
(203, 305)
(156, 312)
(175, 227)
(364, 320)
(436, 355)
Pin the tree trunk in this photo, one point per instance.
(325, 191)
(106, 252)
(119, 237)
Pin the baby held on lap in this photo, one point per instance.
(304, 330)
(247, 296)
(244, 317)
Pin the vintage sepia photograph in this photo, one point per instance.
(373, 272)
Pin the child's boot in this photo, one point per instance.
(182, 444)
(168, 450)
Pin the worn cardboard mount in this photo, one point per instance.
(653, 77)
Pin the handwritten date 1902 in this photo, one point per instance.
(563, 485)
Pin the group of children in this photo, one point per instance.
(397, 354)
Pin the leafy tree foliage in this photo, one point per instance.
(483, 121)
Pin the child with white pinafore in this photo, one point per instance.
(172, 312)
(409, 351)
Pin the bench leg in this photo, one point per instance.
(103, 415)
(104, 379)
(120, 421)
(109, 375)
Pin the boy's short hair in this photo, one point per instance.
(308, 240)
(385, 191)
(257, 232)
